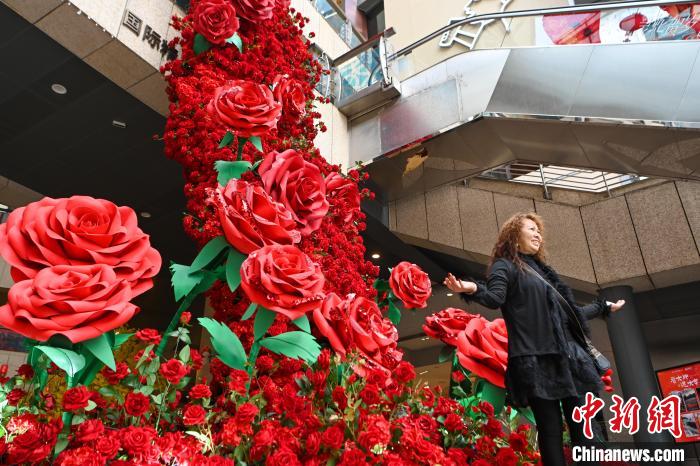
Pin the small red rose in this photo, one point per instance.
(193, 415)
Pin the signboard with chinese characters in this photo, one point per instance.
(684, 381)
(645, 24)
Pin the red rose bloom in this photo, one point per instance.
(76, 398)
(216, 20)
(282, 279)
(518, 442)
(370, 395)
(245, 414)
(255, 10)
(89, 430)
(343, 195)
(312, 443)
(283, 457)
(298, 185)
(149, 335)
(447, 324)
(357, 323)
(482, 348)
(173, 371)
(81, 456)
(454, 423)
(107, 445)
(79, 230)
(291, 93)
(136, 404)
(493, 427)
(251, 219)
(410, 284)
(193, 415)
(137, 440)
(245, 107)
(200, 391)
(506, 457)
(113, 377)
(79, 302)
(333, 437)
(486, 408)
(404, 372)
(15, 395)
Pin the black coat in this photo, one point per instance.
(534, 317)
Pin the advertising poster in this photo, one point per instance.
(684, 381)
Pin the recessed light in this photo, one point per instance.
(376, 255)
(59, 89)
(450, 294)
(145, 214)
(425, 338)
(423, 372)
(119, 124)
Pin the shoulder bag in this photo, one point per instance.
(601, 363)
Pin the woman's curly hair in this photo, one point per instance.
(507, 244)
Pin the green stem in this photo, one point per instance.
(254, 350)
(167, 389)
(173, 324)
(241, 144)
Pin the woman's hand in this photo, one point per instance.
(459, 286)
(616, 306)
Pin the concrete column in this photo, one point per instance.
(634, 367)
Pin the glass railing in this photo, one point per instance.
(337, 20)
(361, 68)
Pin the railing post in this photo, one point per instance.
(384, 62)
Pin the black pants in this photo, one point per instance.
(550, 428)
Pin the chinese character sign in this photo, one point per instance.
(661, 415)
(684, 382)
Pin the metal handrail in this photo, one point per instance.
(534, 12)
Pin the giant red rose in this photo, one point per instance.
(255, 10)
(343, 194)
(79, 302)
(357, 324)
(79, 230)
(447, 324)
(251, 219)
(283, 279)
(482, 348)
(245, 107)
(298, 185)
(216, 20)
(410, 284)
(290, 93)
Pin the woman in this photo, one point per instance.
(546, 366)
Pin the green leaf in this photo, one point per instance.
(394, 313)
(249, 312)
(226, 140)
(494, 395)
(235, 39)
(446, 354)
(298, 345)
(61, 445)
(208, 253)
(102, 350)
(228, 170)
(183, 280)
(70, 361)
(303, 323)
(146, 351)
(120, 339)
(91, 405)
(201, 44)
(381, 285)
(146, 390)
(185, 354)
(233, 268)
(225, 343)
(263, 320)
(255, 141)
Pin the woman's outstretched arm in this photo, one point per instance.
(492, 294)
